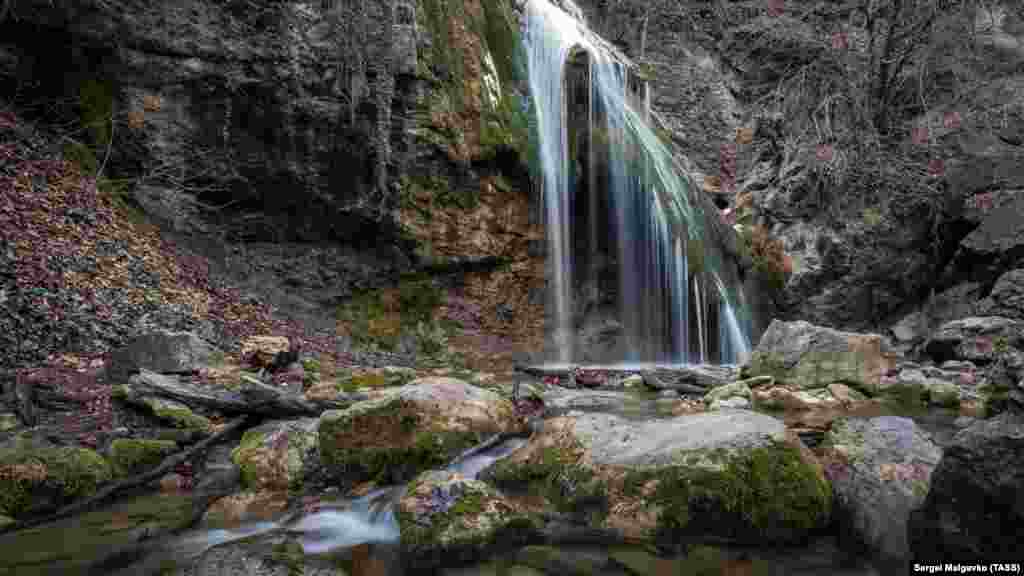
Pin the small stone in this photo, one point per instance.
(8, 421)
(734, 402)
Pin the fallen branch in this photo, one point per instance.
(251, 398)
(106, 493)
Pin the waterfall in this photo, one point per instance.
(655, 227)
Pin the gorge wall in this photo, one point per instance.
(313, 150)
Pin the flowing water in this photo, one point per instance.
(343, 525)
(657, 227)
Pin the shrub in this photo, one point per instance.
(769, 256)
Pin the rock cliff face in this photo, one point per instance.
(306, 145)
(874, 218)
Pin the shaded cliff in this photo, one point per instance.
(311, 151)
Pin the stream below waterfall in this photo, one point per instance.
(363, 535)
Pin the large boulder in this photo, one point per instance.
(444, 513)
(997, 244)
(804, 356)
(278, 455)
(407, 430)
(977, 339)
(880, 470)
(679, 479)
(161, 351)
(1007, 297)
(975, 508)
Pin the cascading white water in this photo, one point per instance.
(655, 223)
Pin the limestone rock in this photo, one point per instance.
(880, 470)
(734, 402)
(977, 338)
(410, 429)
(1007, 297)
(806, 357)
(976, 502)
(638, 474)
(735, 390)
(161, 351)
(278, 455)
(443, 510)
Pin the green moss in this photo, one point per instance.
(907, 396)
(290, 555)
(81, 155)
(516, 529)
(183, 418)
(765, 493)
(30, 473)
(77, 545)
(310, 364)
(411, 445)
(252, 440)
(311, 371)
(96, 106)
(946, 395)
(556, 476)
(377, 318)
(131, 456)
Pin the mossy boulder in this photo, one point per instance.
(804, 356)
(445, 513)
(411, 429)
(730, 473)
(37, 477)
(738, 389)
(176, 414)
(278, 455)
(881, 469)
(130, 456)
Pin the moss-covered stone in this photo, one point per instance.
(555, 473)
(405, 431)
(738, 389)
(277, 455)
(177, 414)
(445, 513)
(131, 456)
(946, 395)
(908, 396)
(768, 493)
(36, 477)
(804, 357)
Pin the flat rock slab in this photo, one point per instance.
(616, 441)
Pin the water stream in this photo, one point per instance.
(333, 526)
(656, 229)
